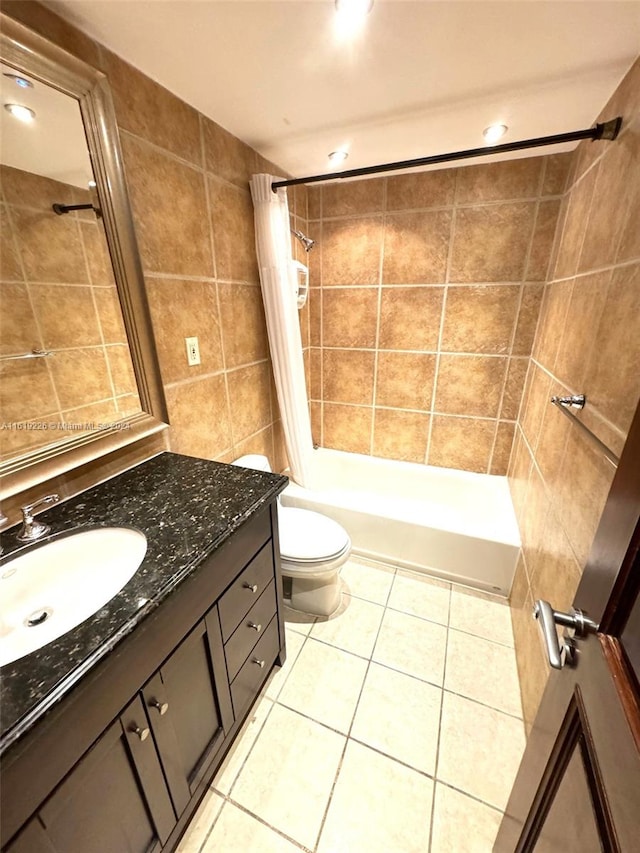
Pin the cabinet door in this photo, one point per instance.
(187, 713)
(115, 799)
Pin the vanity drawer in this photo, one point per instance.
(247, 682)
(245, 636)
(245, 591)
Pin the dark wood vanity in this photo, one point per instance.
(121, 763)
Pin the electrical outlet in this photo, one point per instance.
(193, 351)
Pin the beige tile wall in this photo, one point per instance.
(588, 341)
(57, 293)
(188, 186)
(425, 298)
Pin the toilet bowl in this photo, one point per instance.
(313, 547)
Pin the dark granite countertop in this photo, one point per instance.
(187, 508)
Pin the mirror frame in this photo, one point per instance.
(36, 57)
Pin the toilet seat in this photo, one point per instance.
(311, 544)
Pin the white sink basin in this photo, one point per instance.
(49, 589)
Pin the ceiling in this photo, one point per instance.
(420, 78)
(54, 145)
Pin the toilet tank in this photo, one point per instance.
(253, 460)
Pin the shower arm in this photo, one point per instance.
(307, 242)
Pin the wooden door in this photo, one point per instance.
(115, 799)
(189, 708)
(578, 786)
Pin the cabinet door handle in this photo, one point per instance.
(259, 663)
(161, 707)
(255, 627)
(143, 734)
(252, 586)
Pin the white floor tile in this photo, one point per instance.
(238, 832)
(421, 596)
(378, 806)
(276, 680)
(324, 684)
(399, 715)
(462, 824)
(484, 671)
(235, 758)
(354, 628)
(201, 823)
(412, 645)
(480, 749)
(288, 776)
(482, 615)
(301, 623)
(363, 581)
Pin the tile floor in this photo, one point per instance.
(394, 727)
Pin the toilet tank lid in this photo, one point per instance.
(253, 460)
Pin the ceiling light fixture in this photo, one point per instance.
(20, 112)
(338, 157)
(20, 81)
(494, 132)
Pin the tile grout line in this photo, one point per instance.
(445, 291)
(435, 769)
(227, 796)
(348, 736)
(376, 356)
(261, 820)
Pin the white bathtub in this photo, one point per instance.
(451, 524)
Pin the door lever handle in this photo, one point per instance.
(577, 622)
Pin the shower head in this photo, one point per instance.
(307, 242)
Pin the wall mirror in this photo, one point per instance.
(79, 375)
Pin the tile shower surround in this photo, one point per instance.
(588, 341)
(425, 296)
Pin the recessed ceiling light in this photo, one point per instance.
(20, 112)
(20, 81)
(494, 132)
(354, 8)
(338, 156)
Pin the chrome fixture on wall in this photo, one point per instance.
(576, 401)
(307, 242)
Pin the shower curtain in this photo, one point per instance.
(278, 278)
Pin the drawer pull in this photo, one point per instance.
(255, 627)
(161, 707)
(143, 734)
(259, 663)
(252, 586)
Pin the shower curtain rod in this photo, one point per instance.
(605, 130)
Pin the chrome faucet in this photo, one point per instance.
(33, 529)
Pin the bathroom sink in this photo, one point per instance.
(46, 590)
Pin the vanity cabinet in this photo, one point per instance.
(188, 708)
(122, 762)
(114, 799)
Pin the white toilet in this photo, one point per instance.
(312, 549)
